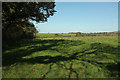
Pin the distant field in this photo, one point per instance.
(52, 56)
(55, 35)
(75, 35)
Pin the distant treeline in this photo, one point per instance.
(76, 34)
(94, 34)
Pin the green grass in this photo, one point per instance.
(54, 35)
(63, 57)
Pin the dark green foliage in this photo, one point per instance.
(17, 32)
(16, 16)
(23, 11)
(56, 35)
(78, 34)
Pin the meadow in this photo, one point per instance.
(53, 56)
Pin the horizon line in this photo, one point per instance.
(79, 31)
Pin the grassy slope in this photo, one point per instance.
(65, 57)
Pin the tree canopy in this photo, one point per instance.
(20, 13)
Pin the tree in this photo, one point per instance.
(78, 34)
(19, 13)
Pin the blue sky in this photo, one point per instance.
(82, 17)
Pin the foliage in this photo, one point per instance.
(79, 34)
(16, 14)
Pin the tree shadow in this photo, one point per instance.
(101, 48)
(25, 42)
(16, 56)
(114, 69)
(50, 68)
(106, 48)
(71, 70)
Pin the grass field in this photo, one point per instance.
(62, 57)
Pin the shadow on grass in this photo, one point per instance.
(50, 68)
(114, 69)
(16, 56)
(71, 70)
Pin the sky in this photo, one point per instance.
(82, 17)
